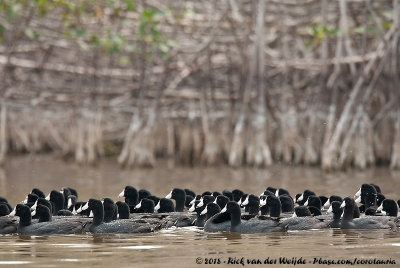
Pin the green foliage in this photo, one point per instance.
(318, 33)
(72, 15)
(149, 33)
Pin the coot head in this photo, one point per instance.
(43, 213)
(301, 211)
(38, 192)
(221, 201)
(190, 192)
(210, 210)
(287, 203)
(143, 193)
(389, 208)
(313, 201)
(275, 206)
(228, 194)
(110, 209)
(145, 206)
(332, 198)
(179, 196)
(281, 191)
(252, 204)
(165, 205)
(123, 210)
(57, 199)
(237, 194)
(131, 196)
(4, 209)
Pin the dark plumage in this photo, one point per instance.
(237, 194)
(57, 201)
(221, 201)
(25, 225)
(255, 226)
(287, 203)
(165, 205)
(131, 197)
(123, 210)
(179, 196)
(145, 206)
(348, 222)
(117, 226)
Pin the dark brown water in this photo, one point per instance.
(181, 247)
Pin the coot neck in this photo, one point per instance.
(253, 209)
(25, 219)
(98, 214)
(180, 203)
(370, 200)
(235, 216)
(348, 213)
(264, 210)
(275, 210)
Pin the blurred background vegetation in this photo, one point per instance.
(241, 83)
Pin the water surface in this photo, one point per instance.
(182, 246)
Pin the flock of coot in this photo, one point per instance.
(141, 212)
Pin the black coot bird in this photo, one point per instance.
(302, 220)
(131, 197)
(337, 211)
(123, 210)
(261, 226)
(221, 201)
(145, 206)
(179, 196)
(117, 226)
(348, 222)
(25, 225)
(389, 208)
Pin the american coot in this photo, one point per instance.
(221, 201)
(210, 210)
(302, 220)
(4, 209)
(123, 210)
(131, 197)
(199, 207)
(274, 204)
(190, 193)
(331, 199)
(252, 203)
(117, 226)
(38, 192)
(110, 210)
(313, 201)
(179, 196)
(71, 203)
(165, 205)
(303, 197)
(228, 194)
(264, 208)
(220, 222)
(287, 203)
(260, 226)
(237, 194)
(65, 192)
(389, 208)
(143, 193)
(25, 225)
(241, 200)
(281, 191)
(337, 213)
(57, 200)
(145, 206)
(362, 223)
